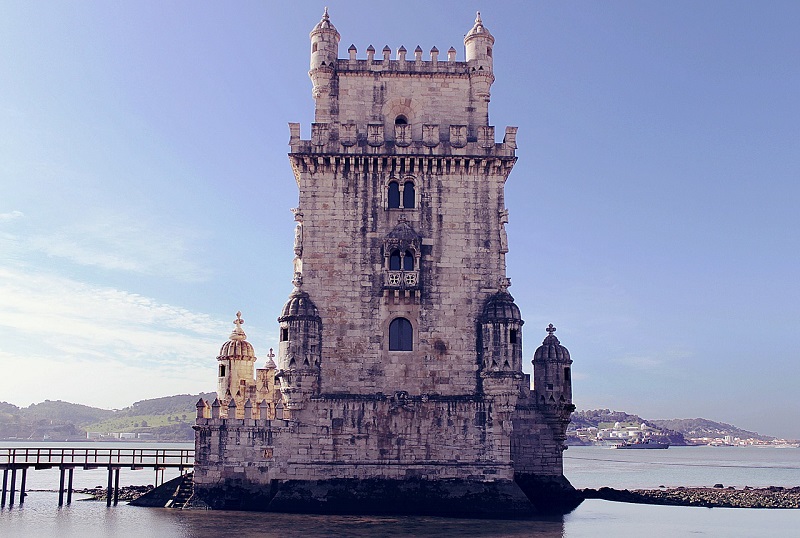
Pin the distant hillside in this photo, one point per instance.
(700, 427)
(167, 418)
(605, 418)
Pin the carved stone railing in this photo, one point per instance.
(400, 280)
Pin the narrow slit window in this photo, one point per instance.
(222, 370)
(394, 195)
(567, 375)
(284, 334)
(409, 198)
(512, 336)
(408, 261)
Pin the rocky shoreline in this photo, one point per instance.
(717, 496)
(126, 493)
(708, 497)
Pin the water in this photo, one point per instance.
(584, 466)
(594, 467)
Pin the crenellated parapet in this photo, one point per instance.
(376, 138)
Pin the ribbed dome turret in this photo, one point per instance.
(551, 349)
(500, 307)
(237, 345)
(299, 305)
(325, 24)
(479, 30)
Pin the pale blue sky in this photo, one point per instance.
(145, 190)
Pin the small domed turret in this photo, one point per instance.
(501, 307)
(237, 345)
(551, 349)
(552, 379)
(501, 334)
(236, 362)
(478, 43)
(299, 349)
(299, 306)
(324, 43)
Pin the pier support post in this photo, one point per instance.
(13, 485)
(69, 485)
(22, 493)
(5, 488)
(61, 486)
(110, 486)
(116, 486)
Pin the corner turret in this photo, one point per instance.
(552, 378)
(324, 53)
(299, 350)
(478, 44)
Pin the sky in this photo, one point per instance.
(145, 191)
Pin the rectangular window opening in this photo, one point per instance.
(222, 370)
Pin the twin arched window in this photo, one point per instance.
(401, 335)
(408, 195)
(398, 262)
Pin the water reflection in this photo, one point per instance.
(202, 524)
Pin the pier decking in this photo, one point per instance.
(67, 460)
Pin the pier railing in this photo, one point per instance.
(93, 458)
(69, 459)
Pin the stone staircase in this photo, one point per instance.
(183, 493)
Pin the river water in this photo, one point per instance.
(584, 466)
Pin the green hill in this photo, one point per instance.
(701, 427)
(167, 418)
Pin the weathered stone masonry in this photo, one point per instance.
(398, 385)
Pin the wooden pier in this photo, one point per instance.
(19, 460)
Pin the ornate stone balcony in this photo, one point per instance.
(401, 280)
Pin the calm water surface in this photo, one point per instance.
(585, 466)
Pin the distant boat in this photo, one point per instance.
(646, 444)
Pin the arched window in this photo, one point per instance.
(394, 195)
(408, 195)
(394, 261)
(408, 261)
(401, 120)
(401, 336)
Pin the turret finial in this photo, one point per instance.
(238, 334)
(477, 17)
(325, 16)
(550, 329)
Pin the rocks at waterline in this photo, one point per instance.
(126, 493)
(747, 497)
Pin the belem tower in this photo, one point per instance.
(398, 383)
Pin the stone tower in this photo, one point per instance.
(400, 357)
(403, 213)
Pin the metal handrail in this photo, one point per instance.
(116, 457)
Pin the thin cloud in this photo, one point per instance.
(639, 362)
(11, 215)
(48, 320)
(119, 243)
